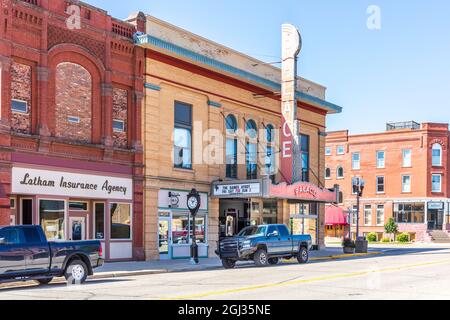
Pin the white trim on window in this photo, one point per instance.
(340, 150)
(117, 121)
(110, 221)
(438, 190)
(378, 184)
(328, 151)
(404, 185)
(356, 164)
(15, 202)
(381, 162)
(338, 176)
(20, 111)
(327, 173)
(404, 158)
(436, 161)
(78, 201)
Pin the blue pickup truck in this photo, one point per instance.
(265, 245)
(25, 254)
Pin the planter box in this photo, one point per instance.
(349, 250)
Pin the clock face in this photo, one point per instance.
(192, 203)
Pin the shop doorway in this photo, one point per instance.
(164, 238)
(435, 219)
(26, 211)
(234, 216)
(77, 228)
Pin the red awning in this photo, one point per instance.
(335, 216)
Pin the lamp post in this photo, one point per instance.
(358, 188)
(193, 204)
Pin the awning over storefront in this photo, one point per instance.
(335, 216)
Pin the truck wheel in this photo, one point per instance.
(274, 261)
(228, 263)
(44, 281)
(303, 255)
(76, 272)
(261, 258)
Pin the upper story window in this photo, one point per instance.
(436, 183)
(340, 150)
(304, 144)
(381, 161)
(380, 184)
(406, 184)
(328, 151)
(231, 124)
(340, 172)
(356, 161)
(252, 161)
(183, 136)
(407, 160)
(436, 153)
(270, 151)
(21, 97)
(327, 173)
(251, 129)
(19, 106)
(270, 133)
(368, 215)
(118, 125)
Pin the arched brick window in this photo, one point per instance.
(73, 99)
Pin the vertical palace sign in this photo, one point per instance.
(291, 164)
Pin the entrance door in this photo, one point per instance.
(26, 210)
(164, 238)
(435, 219)
(77, 228)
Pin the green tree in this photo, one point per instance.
(391, 227)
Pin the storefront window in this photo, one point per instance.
(51, 217)
(180, 227)
(270, 211)
(99, 223)
(304, 219)
(409, 212)
(200, 229)
(120, 221)
(78, 206)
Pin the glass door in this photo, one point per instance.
(77, 228)
(164, 239)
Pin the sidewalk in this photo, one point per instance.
(122, 269)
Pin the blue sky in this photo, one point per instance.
(398, 73)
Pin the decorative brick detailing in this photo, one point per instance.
(120, 110)
(59, 36)
(21, 90)
(73, 99)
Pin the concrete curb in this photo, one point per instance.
(119, 274)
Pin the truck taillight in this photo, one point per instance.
(100, 251)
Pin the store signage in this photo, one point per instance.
(246, 190)
(176, 199)
(302, 191)
(436, 205)
(290, 166)
(58, 183)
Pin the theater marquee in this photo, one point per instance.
(57, 183)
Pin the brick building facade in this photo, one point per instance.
(70, 124)
(405, 173)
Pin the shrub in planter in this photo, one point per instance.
(385, 240)
(372, 237)
(404, 237)
(348, 245)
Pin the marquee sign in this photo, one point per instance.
(56, 183)
(235, 190)
(290, 127)
(303, 191)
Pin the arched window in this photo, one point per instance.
(436, 155)
(270, 133)
(231, 124)
(251, 129)
(340, 172)
(327, 173)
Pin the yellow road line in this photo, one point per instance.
(316, 279)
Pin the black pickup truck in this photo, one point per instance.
(25, 254)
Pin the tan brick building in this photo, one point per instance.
(201, 95)
(405, 172)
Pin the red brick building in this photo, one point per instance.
(405, 173)
(71, 156)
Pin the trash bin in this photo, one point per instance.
(361, 245)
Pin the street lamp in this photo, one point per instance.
(358, 188)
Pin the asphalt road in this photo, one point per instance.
(402, 273)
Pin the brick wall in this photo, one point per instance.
(120, 112)
(73, 99)
(21, 79)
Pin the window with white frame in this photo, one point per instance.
(381, 159)
(340, 172)
(120, 220)
(436, 155)
(340, 150)
(436, 183)
(380, 215)
(118, 125)
(407, 158)
(356, 161)
(327, 173)
(380, 184)
(328, 151)
(19, 106)
(368, 215)
(406, 184)
(354, 215)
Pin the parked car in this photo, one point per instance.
(265, 245)
(25, 254)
